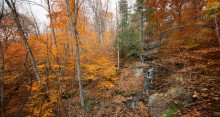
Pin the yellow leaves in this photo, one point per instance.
(110, 73)
(52, 76)
(48, 113)
(40, 67)
(107, 84)
(102, 61)
(212, 5)
(35, 87)
(92, 68)
(56, 67)
(90, 77)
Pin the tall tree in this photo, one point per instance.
(73, 24)
(51, 20)
(123, 9)
(12, 7)
(100, 11)
(141, 10)
(2, 67)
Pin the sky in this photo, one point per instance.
(41, 14)
(38, 7)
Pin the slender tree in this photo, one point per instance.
(216, 26)
(100, 10)
(123, 9)
(2, 68)
(118, 40)
(51, 20)
(141, 10)
(12, 7)
(73, 24)
(2, 79)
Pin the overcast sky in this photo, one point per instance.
(41, 14)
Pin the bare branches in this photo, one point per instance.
(28, 95)
(22, 33)
(186, 26)
(35, 3)
(2, 10)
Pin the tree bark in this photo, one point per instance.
(3, 71)
(118, 40)
(12, 7)
(142, 22)
(73, 24)
(2, 80)
(216, 27)
(51, 21)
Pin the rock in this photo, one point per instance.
(156, 104)
(195, 95)
(159, 103)
(205, 95)
(140, 65)
(138, 72)
(119, 99)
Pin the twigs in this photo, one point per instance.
(31, 79)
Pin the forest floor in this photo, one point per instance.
(203, 93)
(126, 98)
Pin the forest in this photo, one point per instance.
(110, 58)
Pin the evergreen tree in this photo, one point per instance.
(123, 9)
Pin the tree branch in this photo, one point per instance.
(186, 26)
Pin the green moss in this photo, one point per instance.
(169, 112)
(185, 103)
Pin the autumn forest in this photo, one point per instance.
(114, 58)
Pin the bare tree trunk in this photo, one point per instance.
(2, 80)
(216, 27)
(12, 7)
(100, 20)
(73, 24)
(51, 21)
(57, 58)
(118, 40)
(142, 23)
(118, 52)
(3, 71)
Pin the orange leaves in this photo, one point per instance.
(92, 68)
(107, 84)
(98, 62)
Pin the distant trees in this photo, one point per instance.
(129, 37)
(213, 8)
(181, 14)
(142, 14)
(123, 10)
(100, 16)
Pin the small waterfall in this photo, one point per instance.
(133, 102)
(148, 80)
(149, 74)
(143, 59)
